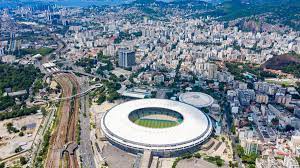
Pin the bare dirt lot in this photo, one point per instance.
(10, 141)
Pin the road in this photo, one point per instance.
(60, 49)
(84, 92)
(236, 157)
(38, 141)
(161, 94)
(85, 147)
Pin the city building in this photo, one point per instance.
(251, 146)
(262, 98)
(246, 96)
(297, 111)
(158, 79)
(290, 162)
(137, 93)
(281, 98)
(268, 162)
(126, 58)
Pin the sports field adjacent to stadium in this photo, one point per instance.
(156, 123)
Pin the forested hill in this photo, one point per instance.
(288, 63)
(285, 12)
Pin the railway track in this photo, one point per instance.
(65, 127)
(73, 122)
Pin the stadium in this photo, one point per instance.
(196, 99)
(167, 128)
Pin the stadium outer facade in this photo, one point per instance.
(195, 128)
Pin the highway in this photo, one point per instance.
(60, 49)
(85, 147)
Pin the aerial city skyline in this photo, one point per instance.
(150, 84)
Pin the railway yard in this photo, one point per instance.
(63, 140)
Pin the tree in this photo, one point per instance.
(240, 150)
(251, 166)
(99, 71)
(110, 66)
(298, 159)
(197, 155)
(233, 130)
(122, 78)
(18, 149)
(250, 158)
(275, 121)
(289, 128)
(17, 77)
(2, 165)
(112, 96)
(21, 134)
(87, 69)
(205, 110)
(221, 86)
(9, 124)
(197, 89)
(6, 102)
(18, 112)
(101, 98)
(114, 78)
(23, 160)
(223, 139)
(43, 110)
(219, 162)
(10, 128)
(38, 84)
(186, 156)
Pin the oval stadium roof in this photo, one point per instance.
(195, 128)
(196, 99)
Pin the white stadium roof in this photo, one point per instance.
(195, 128)
(196, 99)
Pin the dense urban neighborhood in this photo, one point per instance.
(150, 84)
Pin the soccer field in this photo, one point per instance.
(156, 123)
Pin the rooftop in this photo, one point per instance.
(196, 99)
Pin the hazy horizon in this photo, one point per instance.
(80, 3)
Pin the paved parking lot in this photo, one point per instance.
(117, 158)
(195, 163)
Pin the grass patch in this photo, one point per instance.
(156, 123)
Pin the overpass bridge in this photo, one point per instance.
(70, 71)
(92, 87)
(78, 94)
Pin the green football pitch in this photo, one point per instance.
(156, 123)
